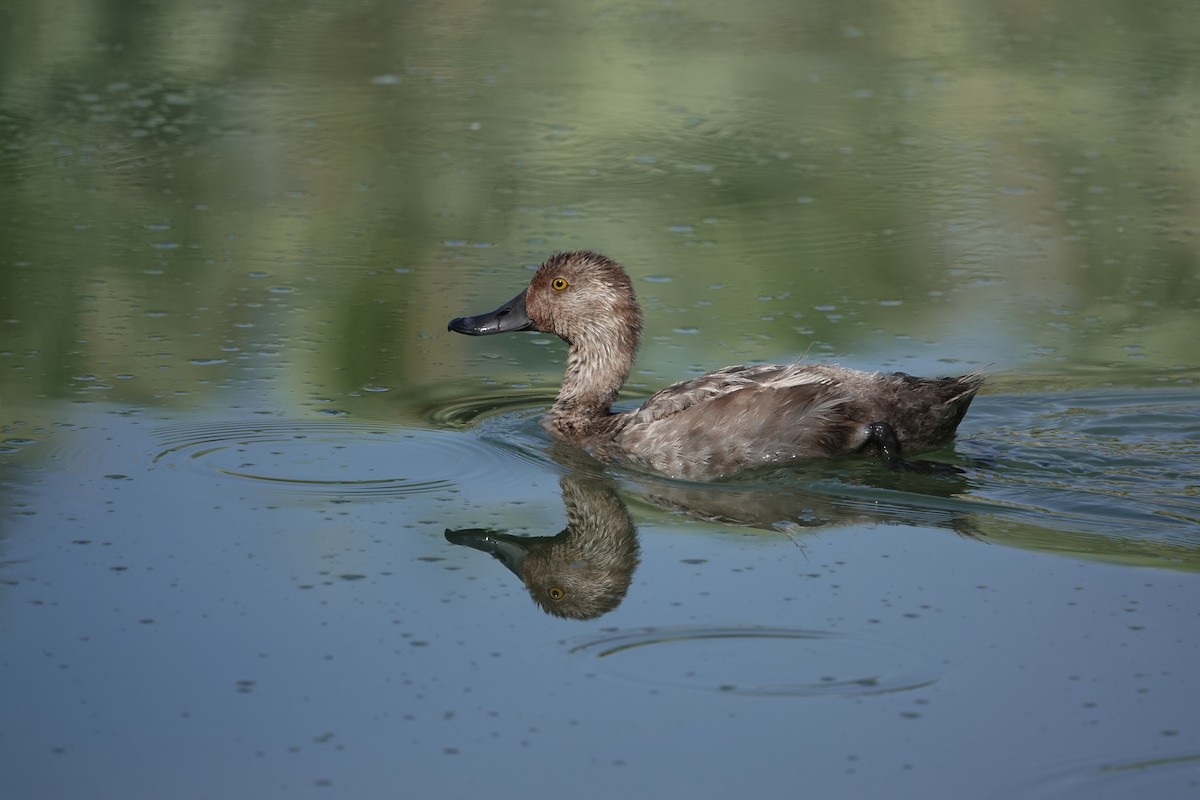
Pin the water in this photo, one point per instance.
(238, 449)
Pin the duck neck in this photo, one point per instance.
(593, 377)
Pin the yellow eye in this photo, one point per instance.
(559, 284)
(555, 592)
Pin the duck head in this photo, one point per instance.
(587, 300)
(581, 296)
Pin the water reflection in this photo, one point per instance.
(585, 570)
(819, 496)
(1096, 473)
(582, 572)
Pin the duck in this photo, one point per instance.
(725, 422)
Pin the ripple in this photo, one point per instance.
(765, 662)
(1115, 462)
(332, 457)
(463, 412)
(1154, 776)
(510, 423)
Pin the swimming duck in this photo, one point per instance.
(727, 421)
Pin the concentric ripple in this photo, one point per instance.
(336, 458)
(462, 412)
(767, 662)
(508, 422)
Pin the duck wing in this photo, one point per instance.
(752, 416)
(737, 418)
(707, 388)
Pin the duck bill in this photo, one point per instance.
(509, 317)
(508, 550)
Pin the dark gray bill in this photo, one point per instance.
(509, 317)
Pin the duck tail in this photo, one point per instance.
(969, 385)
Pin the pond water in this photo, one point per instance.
(252, 488)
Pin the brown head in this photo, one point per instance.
(582, 296)
(585, 298)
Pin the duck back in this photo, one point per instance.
(740, 418)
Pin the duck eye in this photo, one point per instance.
(559, 284)
(555, 592)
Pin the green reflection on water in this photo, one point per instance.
(306, 195)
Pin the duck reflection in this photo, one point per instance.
(585, 570)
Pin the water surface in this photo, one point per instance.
(234, 431)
